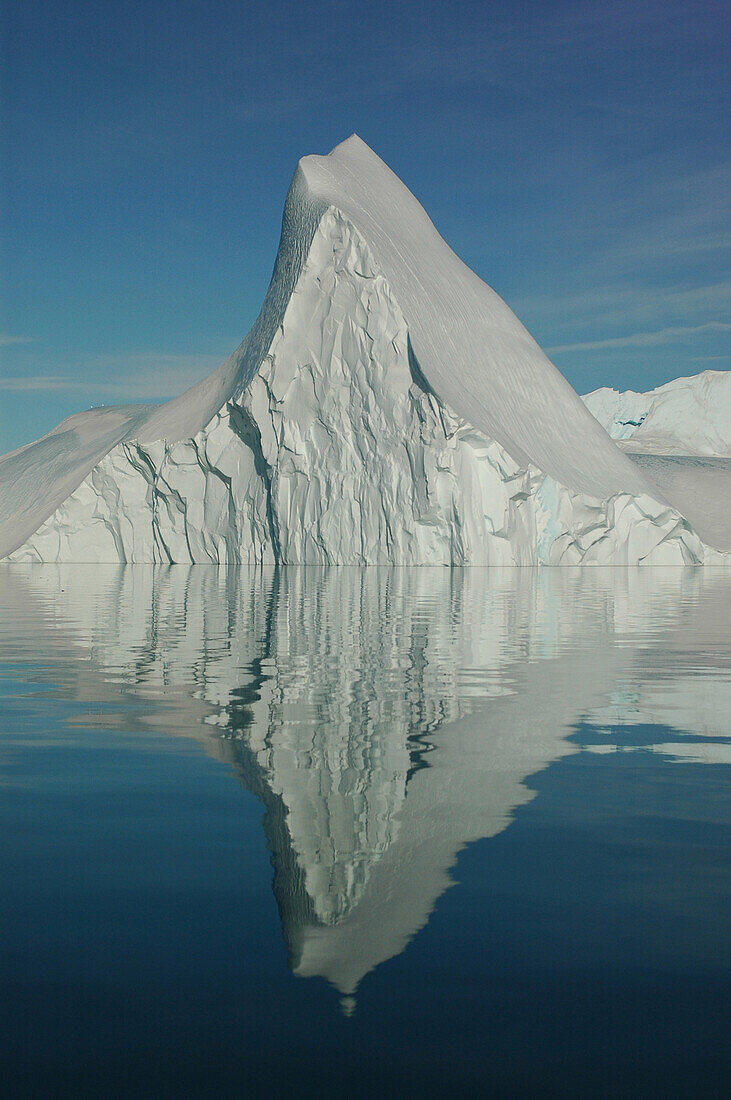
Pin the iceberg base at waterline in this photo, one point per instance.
(341, 432)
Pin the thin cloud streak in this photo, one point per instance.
(618, 304)
(7, 340)
(148, 376)
(39, 382)
(645, 339)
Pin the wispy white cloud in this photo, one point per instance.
(140, 376)
(645, 339)
(625, 304)
(682, 214)
(7, 340)
(38, 382)
(151, 374)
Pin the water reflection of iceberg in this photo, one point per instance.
(385, 718)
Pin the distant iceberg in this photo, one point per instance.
(680, 435)
(688, 416)
(387, 407)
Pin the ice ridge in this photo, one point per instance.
(386, 407)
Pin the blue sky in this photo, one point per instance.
(574, 154)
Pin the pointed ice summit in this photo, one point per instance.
(387, 406)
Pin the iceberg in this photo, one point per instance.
(688, 416)
(680, 435)
(387, 407)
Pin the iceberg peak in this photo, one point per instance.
(386, 406)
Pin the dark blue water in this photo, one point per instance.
(366, 833)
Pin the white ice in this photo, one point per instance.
(387, 406)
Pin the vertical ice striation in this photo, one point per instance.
(338, 451)
(386, 407)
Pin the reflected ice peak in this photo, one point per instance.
(384, 717)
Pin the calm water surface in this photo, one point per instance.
(364, 832)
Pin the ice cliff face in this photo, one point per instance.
(387, 407)
(338, 451)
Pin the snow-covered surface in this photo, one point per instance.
(37, 478)
(688, 416)
(680, 436)
(475, 353)
(387, 406)
(700, 488)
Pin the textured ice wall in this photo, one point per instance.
(338, 452)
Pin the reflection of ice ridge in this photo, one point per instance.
(385, 718)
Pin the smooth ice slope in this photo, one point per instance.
(36, 479)
(387, 406)
(680, 435)
(472, 349)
